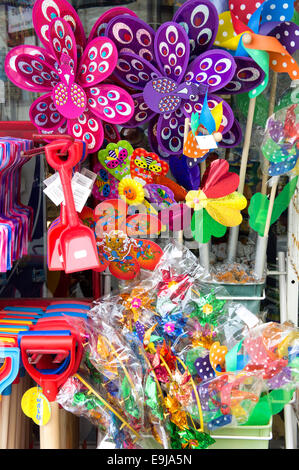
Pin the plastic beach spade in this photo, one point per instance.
(77, 242)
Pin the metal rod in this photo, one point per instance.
(282, 288)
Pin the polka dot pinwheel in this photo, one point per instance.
(274, 38)
(70, 72)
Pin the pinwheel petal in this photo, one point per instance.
(227, 37)
(134, 71)
(279, 59)
(215, 69)
(62, 41)
(111, 132)
(100, 25)
(172, 50)
(44, 11)
(170, 132)
(226, 210)
(247, 77)
(243, 10)
(28, 68)
(142, 113)
(153, 137)
(218, 181)
(87, 128)
(288, 36)
(233, 137)
(44, 115)
(133, 35)
(200, 21)
(98, 62)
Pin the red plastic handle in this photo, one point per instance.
(63, 166)
(62, 324)
(47, 137)
(53, 154)
(50, 383)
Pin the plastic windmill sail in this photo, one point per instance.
(216, 204)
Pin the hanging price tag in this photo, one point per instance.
(206, 142)
(54, 189)
(82, 184)
(249, 318)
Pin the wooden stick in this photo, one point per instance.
(76, 432)
(186, 129)
(204, 256)
(203, 167)
(270, 208)
(87, 385)
(28, 422)
(63, 428)
(66, 429)
(19, 415)
(50, 432)
(246, 146)
(234, 231)
(12, 417)
(4, 421)
(270, 112)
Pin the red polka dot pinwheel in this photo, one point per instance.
(70, 71)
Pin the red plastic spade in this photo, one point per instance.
(77, 242)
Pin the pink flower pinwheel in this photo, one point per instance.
(70, 71)
(171, 70)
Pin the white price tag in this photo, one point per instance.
(81, 185)
(206, 142)
(249, 318)
(89, 174)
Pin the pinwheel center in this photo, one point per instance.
(200, 200)
(164, 95)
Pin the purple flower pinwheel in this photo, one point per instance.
(70, 72)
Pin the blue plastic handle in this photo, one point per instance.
(59, 369)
